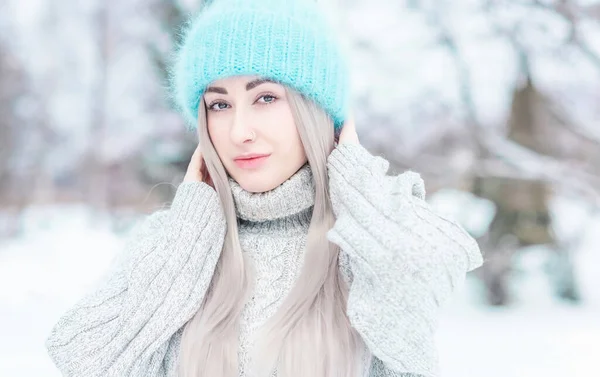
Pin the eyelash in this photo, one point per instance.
(275, 98)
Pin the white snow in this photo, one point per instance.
(61, 253)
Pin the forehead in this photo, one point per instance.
(233, 81)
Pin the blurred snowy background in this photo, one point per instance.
(495, 102)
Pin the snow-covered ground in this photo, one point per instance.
(60, 255)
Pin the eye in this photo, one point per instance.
(217, 106)
(266, 99)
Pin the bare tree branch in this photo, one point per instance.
(572, 13)
(464, 82)
(560, 173)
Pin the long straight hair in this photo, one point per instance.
(310, 334)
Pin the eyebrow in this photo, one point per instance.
(249, 86)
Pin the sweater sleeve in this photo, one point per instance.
(405, 259)
(125, 326)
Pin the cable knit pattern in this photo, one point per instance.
(273, 229)
(402, 262)
(155, 285)
(406, 259)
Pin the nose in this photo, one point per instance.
(241, 129)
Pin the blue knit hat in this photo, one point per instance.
(288, 41)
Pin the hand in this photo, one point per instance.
(196, 171)
(348, 134)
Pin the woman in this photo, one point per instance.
(284, 252)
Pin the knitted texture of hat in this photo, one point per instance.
(288, 41)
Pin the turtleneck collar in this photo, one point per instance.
(294, 196)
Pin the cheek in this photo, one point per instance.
(282, 126)
(288, 139)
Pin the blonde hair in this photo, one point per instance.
(310, 334)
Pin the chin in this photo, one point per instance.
(257, 181)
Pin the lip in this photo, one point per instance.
(250, 155)
(251, 160)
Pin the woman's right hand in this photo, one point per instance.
(196, 171)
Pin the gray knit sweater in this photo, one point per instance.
(402, 260)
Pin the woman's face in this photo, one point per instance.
(250, 116)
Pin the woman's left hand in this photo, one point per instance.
(348, 134)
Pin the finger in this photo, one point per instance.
(349, 134)
(353, 128)
(349, 122)
(195, 160)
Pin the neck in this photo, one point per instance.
(289, 205)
